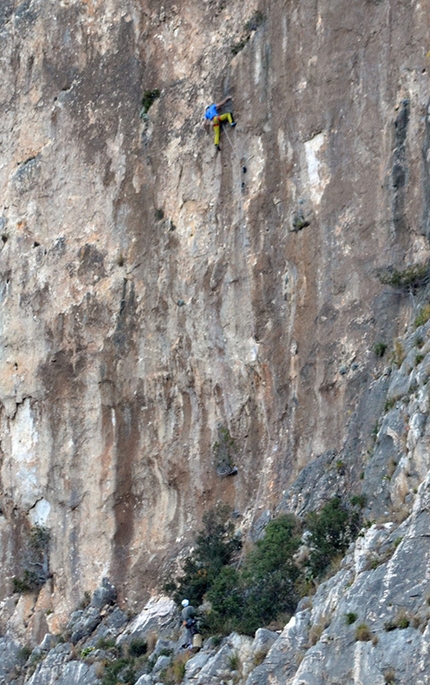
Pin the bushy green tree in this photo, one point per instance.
(215, 547)
(265, 585)
(332, 530)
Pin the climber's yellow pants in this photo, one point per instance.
(216, 123)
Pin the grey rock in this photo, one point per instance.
(70, 673)
(196, 663)
(163, 645)
(263, 640)
(106, 594)
(86, 624)
(8, 656)
(280, 662)
(217, 667)
(145, 679)
(257, 531)
(161, 663)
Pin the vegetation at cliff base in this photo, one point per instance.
(215, 547)
(253, 590)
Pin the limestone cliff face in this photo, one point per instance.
(153, 291)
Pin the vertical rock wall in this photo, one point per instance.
(153, 291)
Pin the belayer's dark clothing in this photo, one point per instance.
(188, 615)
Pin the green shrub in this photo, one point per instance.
(418, 359)
(264, 588)
(350, 618)
(137, 647)
(332, 530)
(119, 671)
(379, 349)
(215, 547)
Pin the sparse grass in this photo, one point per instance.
(391, 467)
(400, 622)
(259, 657)
(398, 353)
(379, 349)
(175, 673)
(389, 404)
(85, 601)
(390, 676)
(350, 618)
(423, 316)
(362, 633)
(234, 662)
(359, 500)
(418, 359)
(315, 633)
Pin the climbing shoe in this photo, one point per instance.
(233, 124)
(217, 147)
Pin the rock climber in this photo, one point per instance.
(213, 116)
(188, 615)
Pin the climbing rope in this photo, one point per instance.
(263, 483)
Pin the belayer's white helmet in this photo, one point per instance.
(185, 602)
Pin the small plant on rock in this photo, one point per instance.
(137, 647)
(398, 354)
(379, 349)
(362, 633)
(234, 662)
(148, 99)
(423, 316)
(408, 279)
(350, 618)
(390, 676)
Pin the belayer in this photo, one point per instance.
(212, 116)
(189, 621)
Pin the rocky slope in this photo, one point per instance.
(153, 292)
